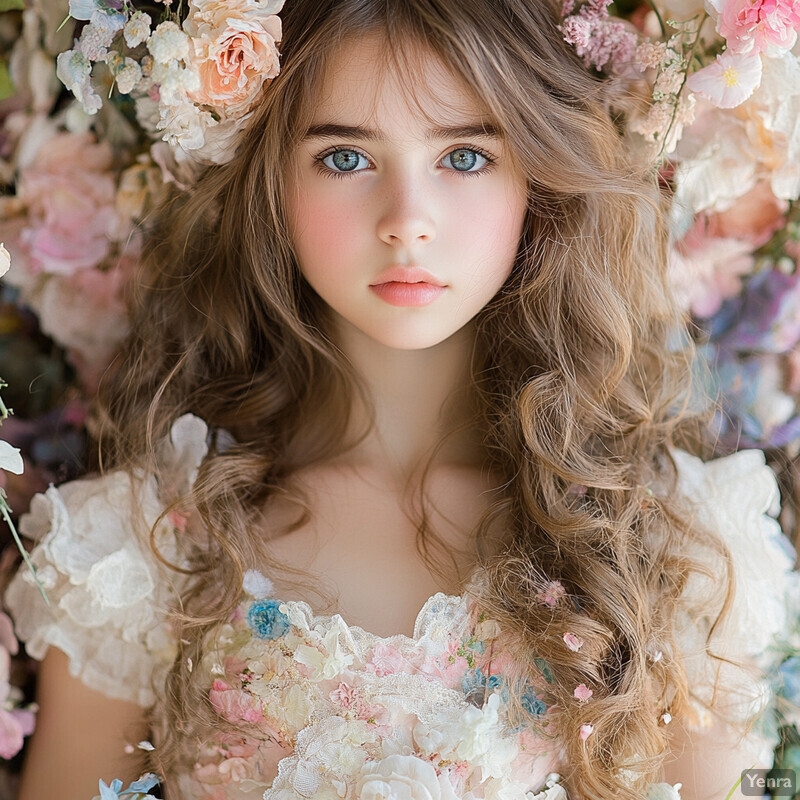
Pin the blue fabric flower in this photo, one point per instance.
(136, 789)
(472, 680)
(266, 620)
(532, 704)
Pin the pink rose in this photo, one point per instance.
(749, 25)
(234, 51)
(705, 270)
(85, 313)
(69, 193)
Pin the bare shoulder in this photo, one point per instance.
(80, 737)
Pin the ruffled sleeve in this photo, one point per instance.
(109, 595)
(737, 496)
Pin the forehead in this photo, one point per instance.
(366, 84)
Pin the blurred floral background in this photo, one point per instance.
(712, 92)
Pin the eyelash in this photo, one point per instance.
(329, 173)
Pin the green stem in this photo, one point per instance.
(4, 509)
(683, 83)
(659, 17)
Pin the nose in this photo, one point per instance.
(406, 219)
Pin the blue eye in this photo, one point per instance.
(345, 162)
(464, 159)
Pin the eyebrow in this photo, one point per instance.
(332, 131)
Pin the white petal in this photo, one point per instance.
(5, 260)
(10, 458)
(730, 80)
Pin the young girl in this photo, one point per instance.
(400, 491)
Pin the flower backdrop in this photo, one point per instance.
(105, 103)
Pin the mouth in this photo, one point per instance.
(407, 293)
(410, 275)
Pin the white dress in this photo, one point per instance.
(323, 709)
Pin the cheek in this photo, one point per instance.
(491, 225)
(321, 228)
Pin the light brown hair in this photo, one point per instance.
(581, 374)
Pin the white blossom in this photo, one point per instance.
(137, 29)
(5, 260)
(74, 70)
(168, 43)
(10, 458)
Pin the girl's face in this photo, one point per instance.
(399, 195)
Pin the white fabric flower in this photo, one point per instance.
(183, 126)
(109, 596)
(328, 663)
(399, 777)
(736, 496)
(128, 76)
(256, 584)
(480, 740)
(664, 791)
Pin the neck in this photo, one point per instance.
(418, 396)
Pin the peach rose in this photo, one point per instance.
(234, 51)
(754, 217)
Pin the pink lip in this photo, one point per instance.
(400, 274)
(398, 293)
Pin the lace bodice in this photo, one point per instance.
(333, 708)
(311, 707)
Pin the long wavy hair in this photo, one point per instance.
(581, 373)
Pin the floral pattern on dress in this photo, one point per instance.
(333, 711)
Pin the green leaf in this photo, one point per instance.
(12, 5)
(6, 85)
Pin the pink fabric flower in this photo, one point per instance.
(597, 38)
(234, 705)
(386, 660)
(349, 697)
(756, 25)
(586, 731)
(573, 642)
(582, 692)
(552, 593)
